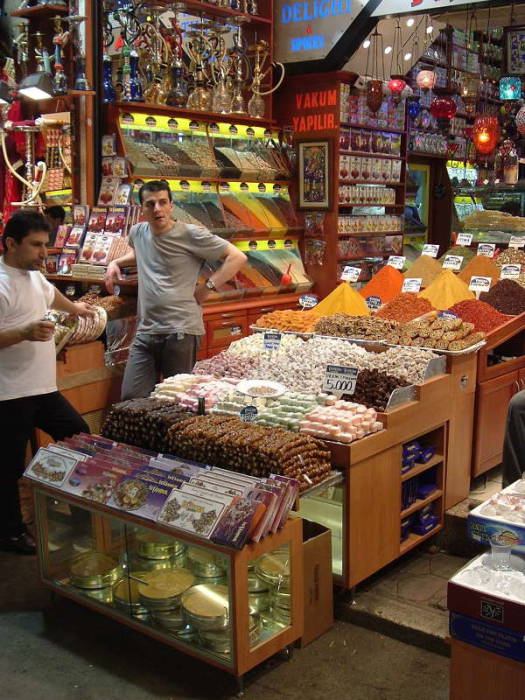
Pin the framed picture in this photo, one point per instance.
(515, 50)
(314, 174)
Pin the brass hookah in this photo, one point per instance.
(241, 69)
(200, 50)
(156, 56)
(261, 71)
(220, 70)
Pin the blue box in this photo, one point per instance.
(486, 635)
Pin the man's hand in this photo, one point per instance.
(201, 293)
(38, 331)
(83, 309)
(113, 275)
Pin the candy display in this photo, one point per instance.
(71, 330)
(385, 285)
(227, 364)
(446, 290)
(426, 268)
(343, 421)
(405, 307)
(347, 326)
(507, 297)
(441, 334)
(344, 299)
(201, 395)
(253, 449)
(483, 316)
(301, 321)
(374, 388)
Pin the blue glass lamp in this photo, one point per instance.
(510, 88)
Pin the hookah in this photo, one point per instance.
(156, 52)
(60, 39)
(222, 90)
(21, 43)
(200, 51)
(75, 20)
(241, 69)
(256, 105)
(178, 93)
(107, 80)
(35, 173)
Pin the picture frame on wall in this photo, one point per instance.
(314, 174)
(515, 50)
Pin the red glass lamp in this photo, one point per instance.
(485, 134)
(396, 85)
(443, 108)
(374, 94)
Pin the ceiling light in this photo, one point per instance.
(388, 50)
(37, 86)
(366, 43)
(408, 56)
(430, 29)
(410, 22)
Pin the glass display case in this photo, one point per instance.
(215, 603)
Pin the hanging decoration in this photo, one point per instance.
(426, 79)
(443, 108)
(520, 120)
(485, 134)
(374, 86)
(397, 83)
(413, 107)
(510, 88)
(469, 91)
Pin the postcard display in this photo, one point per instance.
(107, 540)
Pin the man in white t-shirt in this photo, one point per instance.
(28, 390)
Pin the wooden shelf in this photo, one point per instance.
(369, 155)
(422, 154)
(206, 8)
(40, 11)
(421, 503)
(413, 540)
(367, 204)
(371, 182)
(243, 119)
(353, 234)
(89, 280)
(353, 258)
(436, 459)
(389, 129)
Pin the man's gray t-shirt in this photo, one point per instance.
(168, 270)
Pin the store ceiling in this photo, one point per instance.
(499, 16)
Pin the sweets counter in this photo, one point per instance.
(230, 608)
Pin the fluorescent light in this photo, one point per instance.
(37, 86)
(366, 43)
(410, 22)
(388, 50)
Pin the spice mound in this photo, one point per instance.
(344, 299)
(300, 321)
(482, 315)
(446, 290)
(441, 334)
(405, 307)
(506, 296)
(425, 267)
(344, 326)
(386, 284)
(480, 266)
(462, 251)
(373, 389)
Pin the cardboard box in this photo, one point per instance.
(318, 584)
(487, 635)
(481, 526)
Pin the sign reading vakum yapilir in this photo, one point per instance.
(310, 29)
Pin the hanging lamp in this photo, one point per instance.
(397, 82)
(443, 107)
(374, 86)
(485, 134)
(520, 120)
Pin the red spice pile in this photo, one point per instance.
(405, 307)
(484, 317)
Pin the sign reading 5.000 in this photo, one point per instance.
(340, 380)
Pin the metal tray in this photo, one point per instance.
(467, 351)
(256, 329)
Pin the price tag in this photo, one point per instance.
(396, 261)
(480, 284)
(373, 303)
(340, 380)
(510, 272)
(272, 340)
(235, 330)
(486, 249)
(517, 242)
(452, 262)
(464, 239)
(308, 301)
(447, 315)
(412, 284)
(431, 250)
(350, 274)
(248, 414)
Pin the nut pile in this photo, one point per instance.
(441, 334)
(300, 321)
(373, 389)
(142, 422)
(358, 327)
(227, 442)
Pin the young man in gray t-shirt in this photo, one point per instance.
(169, 256)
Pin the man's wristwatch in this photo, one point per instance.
(209, 285)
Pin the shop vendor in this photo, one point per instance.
(169, 256)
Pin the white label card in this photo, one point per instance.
(235, 330)
(486, 249)
(396, 261)
(272, 340)
(350, 274)
(340, 380)
(517, 242)
(429, 249)
(464, 239)
(412, 284)
(452, 262)
(308, 301)
(480, 284)
(510, 272)
(248, 414)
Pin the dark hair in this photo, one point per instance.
(56, 212)
(22, 223)
(155, 186)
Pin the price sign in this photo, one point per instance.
(350, 274)
(340, 380)
(272, 341)
(447, 315)
(235, 330)
(464, 239)
(517, 242)
(486, 249)
(431, 250)
(396, 261)
(480, 284)
(248, 414)
(510, 272)
(308, 301)
(412, 284)
(373, 303)
(452, 262)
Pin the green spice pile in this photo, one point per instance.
(466, 253)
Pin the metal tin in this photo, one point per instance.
(171, 620)
(256, 584)
(281, 616)
(259, 601)
(221, 642)
(274, 568)
(205, 564)
(94, 570)
(281, 599)
(146, 564)
(154, 546)
(207, 607)
(103, 595)
(126, 595)
(162, 590)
